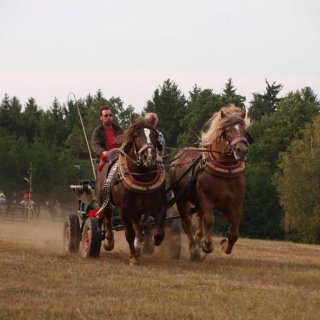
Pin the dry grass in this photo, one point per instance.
(261, 279)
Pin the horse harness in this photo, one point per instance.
(119, 172)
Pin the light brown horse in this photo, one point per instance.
(137, 189)
(211, 178)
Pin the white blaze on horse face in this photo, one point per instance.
(237, 127)
(237, 151)
(147, 133)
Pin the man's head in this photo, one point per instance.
(106, 116)
(152, 118)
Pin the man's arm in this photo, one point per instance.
(96, 146)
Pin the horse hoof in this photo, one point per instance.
(194, 253)
(157, 239)
(134, 261)
(108, 245)
(195, 256)
(137, 248)
(138, 252)
(224, 246)
(207, 247)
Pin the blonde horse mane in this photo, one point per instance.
(217, 124)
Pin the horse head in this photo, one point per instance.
(143, 140)
(236, 136)
(145, 144)
(229, 127)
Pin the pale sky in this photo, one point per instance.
(128, 48)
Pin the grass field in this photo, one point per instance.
(260, 280)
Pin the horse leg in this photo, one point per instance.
(109, 236)
(184, 209)
(138, 240)
(160, 221)
(207, 226)
(233, 234)
(198, 234)
(130, 236)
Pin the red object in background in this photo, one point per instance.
(25, 197)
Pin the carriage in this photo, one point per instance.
(136, 185)
(83, 227)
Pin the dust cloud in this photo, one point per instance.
(45, 233)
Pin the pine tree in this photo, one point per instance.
(265, 104)
(171, 106)
(230, 96)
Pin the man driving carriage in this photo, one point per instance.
(104, 136)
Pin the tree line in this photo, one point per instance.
(282, 176)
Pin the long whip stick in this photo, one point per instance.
(84, 133)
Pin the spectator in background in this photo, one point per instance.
(25, 198)
(153, 119)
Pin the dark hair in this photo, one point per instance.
(104, 108)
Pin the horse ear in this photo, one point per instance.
(222, 114)
(249, 138)
(243, 114)
(127, 147)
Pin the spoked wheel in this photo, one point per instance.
(71, 233)
(91, 238)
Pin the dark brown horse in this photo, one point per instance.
(213, 178)
(135, 187)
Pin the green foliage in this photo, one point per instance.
(273, 135)
(265, 104)
(262, 217)
(230, 96)
(171, 106)
(31, 118)
(202, 104)
(14, 161)
(298, 184)
(10, 115)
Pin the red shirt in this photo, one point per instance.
(110, 138)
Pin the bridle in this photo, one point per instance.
(139, 153)
(234, 142)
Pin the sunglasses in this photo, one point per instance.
(106, 115)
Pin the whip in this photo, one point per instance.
(84, 132)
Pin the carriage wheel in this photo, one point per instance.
(91, 238)
(171, 246)
(71, 233)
